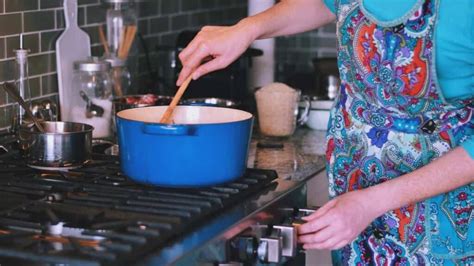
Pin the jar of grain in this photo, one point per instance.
(277, 106)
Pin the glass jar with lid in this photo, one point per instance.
(93, 84)
(120, 14)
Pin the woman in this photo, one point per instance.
(400, 147)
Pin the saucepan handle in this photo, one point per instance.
(173, 130)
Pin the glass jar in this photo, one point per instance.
(121, 13)
(120, 75)
(93, 84)
(23, 85)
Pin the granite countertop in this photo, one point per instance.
(302, 155)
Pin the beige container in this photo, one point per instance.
(277, 106)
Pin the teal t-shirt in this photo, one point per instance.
(454, 43)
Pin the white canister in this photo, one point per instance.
(277, 106)
(318, 116)
(92, 104)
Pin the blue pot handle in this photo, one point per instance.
(160, 129)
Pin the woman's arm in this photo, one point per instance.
(339, 221)
(289, 17)
(223, 45)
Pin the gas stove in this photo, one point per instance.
(95, 215)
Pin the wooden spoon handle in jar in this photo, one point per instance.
(167, 116)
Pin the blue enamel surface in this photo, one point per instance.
(183, 155)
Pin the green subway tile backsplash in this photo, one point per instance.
(6, 70)
(160, 21)
(42, 63)
(11, 24)
(3, 117)
(87, 2)
(148, 9)
(179, 22)
(45, 4)
(35, 87)
(20, 5)
(48, 40)
(49, 84)
(3, 97)
(169, 7)
(95, 14)
(160, 24)
(38, 20)
(2, 48)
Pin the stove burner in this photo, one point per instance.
(96, 215)
(45, 168)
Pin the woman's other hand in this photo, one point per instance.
(214, 48)
(338, 222)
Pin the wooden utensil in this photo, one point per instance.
(167, 116)
(12, 91)
(128, 35)
(103, 40)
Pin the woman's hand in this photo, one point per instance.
(225, 44)
(338, 222)
(219, 45)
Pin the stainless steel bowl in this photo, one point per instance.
(63, 145)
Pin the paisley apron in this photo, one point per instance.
(390, 119)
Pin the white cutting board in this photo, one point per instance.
(73, 45)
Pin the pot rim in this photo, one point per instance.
(250, 116)
(88, 129)
(204, 100)
(119, 99)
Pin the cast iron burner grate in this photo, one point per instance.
(95, 215)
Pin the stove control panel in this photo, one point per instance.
(265, 243)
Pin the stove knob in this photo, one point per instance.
(270, 247)
(244, 248)
(302, 212)
(289, 239)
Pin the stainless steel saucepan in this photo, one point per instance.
(62, 145)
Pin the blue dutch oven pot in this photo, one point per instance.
(205, 146)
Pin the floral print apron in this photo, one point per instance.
(390, 119)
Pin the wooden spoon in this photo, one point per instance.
(167, 116)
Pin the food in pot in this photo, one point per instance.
(147, 99)
(135, 101)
